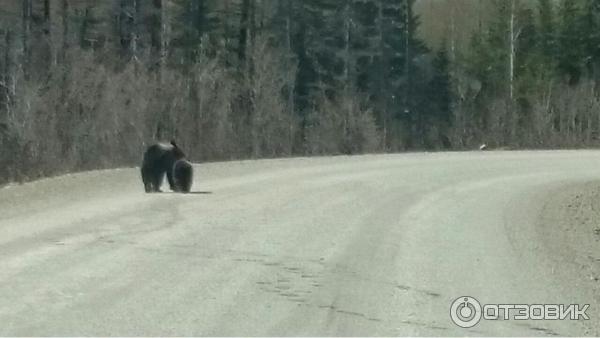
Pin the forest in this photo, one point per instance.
(89, 84)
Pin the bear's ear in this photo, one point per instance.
(174, 144)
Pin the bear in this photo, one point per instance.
(159, 159)
(183, 175)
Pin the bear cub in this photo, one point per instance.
(183, 175)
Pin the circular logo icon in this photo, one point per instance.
(465, 312)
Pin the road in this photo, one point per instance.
(340, 246)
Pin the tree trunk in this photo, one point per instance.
(512, 118)
(381, 77)
(415, 121)
(243, 37)
(6, 88)
(26, 22)
(47, 28)
(452, 32)
(135, 33)
(291, 78)
(511, 72)
(65, 30)
(157, 35)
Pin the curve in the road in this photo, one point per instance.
(367, 245)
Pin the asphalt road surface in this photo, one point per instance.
(338, 246)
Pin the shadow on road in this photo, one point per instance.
(200, 193)
(189, 193)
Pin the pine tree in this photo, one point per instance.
(591, 37)
(439, 99)
(547, 43)
(93, 22)
(570, 56)
(528, 68)
(498, 43)
(192, 23)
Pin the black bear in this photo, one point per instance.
(183, 175)
(159, 159)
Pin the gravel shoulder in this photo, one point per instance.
(570, 225)
(569, 228)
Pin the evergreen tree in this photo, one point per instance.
(498, 44)
(591, 37)
(570, 56)
(439, 97)
(192, 21)
(547, 39)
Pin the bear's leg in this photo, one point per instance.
(148, 187)
(147, 179)
(171, 180)
(157, 179)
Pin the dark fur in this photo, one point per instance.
(159, 159)
(183, 176)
